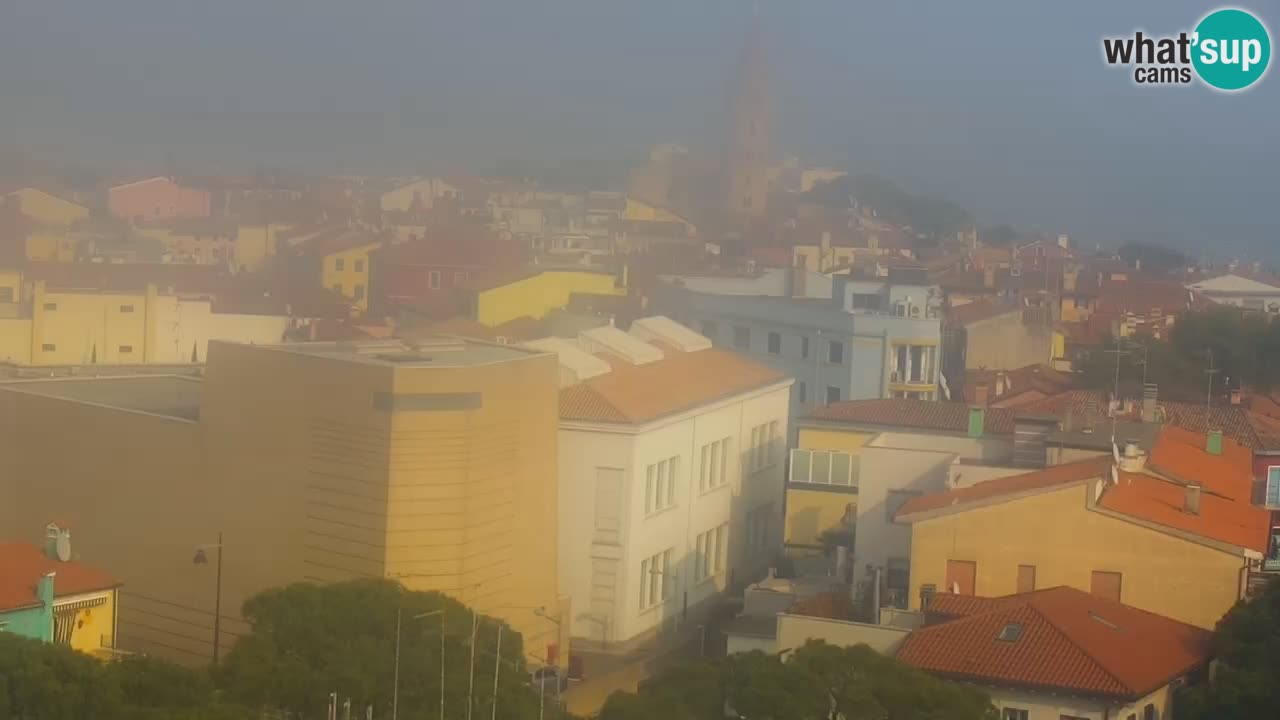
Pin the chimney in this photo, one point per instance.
(1149, 394)
(826, 242)
(1064, 241)
(1192, 505)
(981, 394)
(926, 596)
(1235, 396)
(1213, 442)
(1002, 384)
(1134, 459)
(977, 421)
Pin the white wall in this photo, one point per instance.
(584, 448)
(795, 630)
(990, 448)
(182, 324)
(1043, 706)
(877, 538)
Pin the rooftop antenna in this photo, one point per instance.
(1208, 398)
(1115, 391)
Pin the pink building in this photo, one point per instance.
(157, 198)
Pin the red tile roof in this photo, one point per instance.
(1182, 455)
(1069, 641)
(680, 381)
(1052, 477)
(22, 565)
(917, 414)
(1226, 520)
(1083, 405)
(977, 311)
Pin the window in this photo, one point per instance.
(48, 347)
(711, 548)
(359, 265)
(459, 277)
(1272, 497)
(898, 575)
(775, 343)
(894, 500)
(359, 292)
(804, 347)
(1149, 712)
(835, 352)
(763, 445)
(337, 287)
(801, 392)
(1014, 714)
(1026, 578)
(758, 528)
(6, 294)
(51, 306)
(833, 394)
(126, 308)
(741, 337)
(824, 467)
(961, 577)
(1106, 584)
(709, 329)
(338, 264)
(715, 457)
(653, 579)
(660, 485)
(433, 280)
(1010, 632)
(125, 349)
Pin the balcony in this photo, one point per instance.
(824, 467)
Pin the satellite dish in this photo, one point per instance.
(62, 546)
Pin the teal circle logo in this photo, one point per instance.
(1231, 49)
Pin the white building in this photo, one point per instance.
(1241, 292)
(672, 455)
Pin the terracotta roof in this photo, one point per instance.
(678, 382)
(977, 311)
(183, 278)
(1182, 455)
(1231, 521)
(1050, 477)
(22, 565)
(1232, 420)
(917, 414)
(1041, 378)
(1068, 640)
(1143, 296)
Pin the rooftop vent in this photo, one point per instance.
(1133, 459)
(1191, 506)
(669, 331)
(613, 340)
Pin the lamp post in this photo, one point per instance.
(202, 558)
(542, 613)
(395, 690)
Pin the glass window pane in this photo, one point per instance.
(840, 468)
(800, 465)
(821, 467)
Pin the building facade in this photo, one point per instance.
(157, 198)
(671, 477)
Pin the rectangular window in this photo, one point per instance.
(6, 294)
(762, 455)
(710, 330)
(126, 349)
(1273, 487)
(804, 346)
(771, 449)
(800, 392)
(758, 528)
(712, 473)
(711, 548)
(775, 343)
(433, 279)
(1015, 714)
(741, 337)
(653, 579)
(51, 306)
(898, 575)
(660, 485)
(1106, 584)
(338, 264)
(359, 292)
(359, 265)
(961, 576)
(1026, 578)
(126, 308)
(894, 500)
(459, 277)
(833, 394)
(835, 352)
(48, 347)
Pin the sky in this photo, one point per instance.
(1002, 106)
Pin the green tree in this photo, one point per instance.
(927, 215)
(818, 681)
(1247, 681)
(1153, 258)
(308, 641)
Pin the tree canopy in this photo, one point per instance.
(1247, 681)
(925, 214)
(817, 681)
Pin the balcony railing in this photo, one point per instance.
(824, 467)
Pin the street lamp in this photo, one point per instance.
(395, 691)
(202, 558)
(542, 682)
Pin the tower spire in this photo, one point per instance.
(747, 157)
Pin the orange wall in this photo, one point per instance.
(157, 198)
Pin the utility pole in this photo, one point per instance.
(1208, 400)
(1115, 391)
(471, 679)
(497, 665)
(395, 678)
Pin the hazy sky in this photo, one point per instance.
(1004, 106)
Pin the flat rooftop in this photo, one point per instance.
(168, 395)
(434, 351)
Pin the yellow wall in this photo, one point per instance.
(850, 441)
(536, 296)
(638, 210)
(811, 257)
(46, 245)
(1066, 542)
(93, 624)
(69, 328)
(353, 279)
(812, 512)
(11, 281)
(255, 244)
(15, 341)
(49, 210)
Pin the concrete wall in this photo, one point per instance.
(1005, 342)
(1066, 542)
(743, 644)
(989, 448)
(536, 296)
(795, 630)
(878, 538)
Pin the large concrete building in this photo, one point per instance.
(432, 462)
(841, 338)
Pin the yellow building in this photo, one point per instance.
(46, 210)
(345, 270)
(86, 327)
(640, 210)
(539, 291)
(434, 463)
(256, 244)
(817, 504)
(194, 240)
(1146, 535)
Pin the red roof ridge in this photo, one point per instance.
(1034, 481)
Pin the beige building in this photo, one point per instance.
(433, 463)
